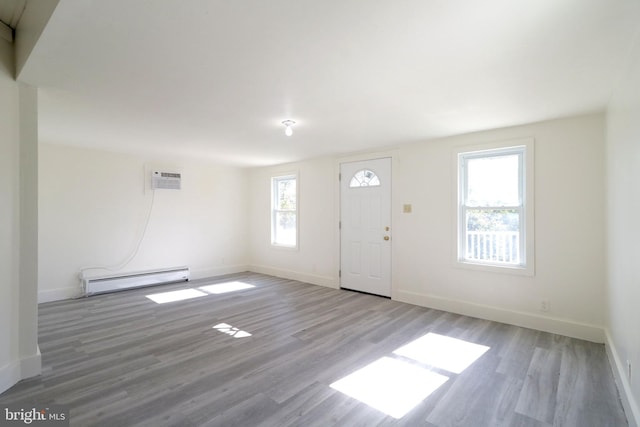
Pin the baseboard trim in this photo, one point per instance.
(631, 409)
(526, 320)
(19, 370)
(204, 273)
(314, 279)
(31, 366)
(58, 294)
(9, 375)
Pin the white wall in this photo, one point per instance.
(569, 223)
(623, 208)
(9, 223)
(569, 232)
(28, 252)
(19, 355)
(313, 261)
(93, 207)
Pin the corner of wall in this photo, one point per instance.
(631, 409)
(9, 375)
(314, 279)
(31, 366)
(58, 294)
(19, 370)
(29, 353)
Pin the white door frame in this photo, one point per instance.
(394, 156)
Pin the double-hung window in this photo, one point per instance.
(494, 223)
(284, 211)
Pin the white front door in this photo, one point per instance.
(365, 226)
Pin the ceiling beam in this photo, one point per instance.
(6, 32)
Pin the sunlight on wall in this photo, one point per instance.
(395, 386)
(183, 294)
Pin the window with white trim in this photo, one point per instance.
(493, 209)
(284, 211)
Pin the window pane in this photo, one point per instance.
(493, 181)
(286, 194)
(364, 178)
(493, 220)
(285, 228)
(493, 235)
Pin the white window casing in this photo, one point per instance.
(284, 210)
(494, 207)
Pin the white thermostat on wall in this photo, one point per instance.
(165, 180)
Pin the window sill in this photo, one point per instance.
(284, 247)
(493, 268)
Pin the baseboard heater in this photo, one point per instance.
(120, 282)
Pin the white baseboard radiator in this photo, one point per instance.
(120, 282)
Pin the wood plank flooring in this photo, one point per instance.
(122, 360)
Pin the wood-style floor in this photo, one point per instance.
(123, 360)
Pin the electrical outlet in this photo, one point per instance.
(544, 304)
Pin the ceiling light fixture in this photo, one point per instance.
(288, 127)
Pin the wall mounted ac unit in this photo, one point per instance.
(165, 180)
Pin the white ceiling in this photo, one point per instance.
(214, 79)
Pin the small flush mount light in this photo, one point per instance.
(288, 127)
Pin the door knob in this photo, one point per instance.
(386, 237)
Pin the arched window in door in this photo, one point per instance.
(364, 178)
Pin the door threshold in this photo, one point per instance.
(363, 292)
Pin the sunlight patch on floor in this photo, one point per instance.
(230, 330)
(172, 296)
(395, 386)
(223, 288)
(451, 354)
(390, 385)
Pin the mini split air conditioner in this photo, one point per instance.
(165, 180)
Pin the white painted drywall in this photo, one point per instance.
(313, 261)
(569, 206)
(93, 206)
(569, 231)
(28, 268)
(9, 219)
(19, 355)
(623, 232)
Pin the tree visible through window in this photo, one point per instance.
(364, 178)
(492, 207)
(284, 221)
